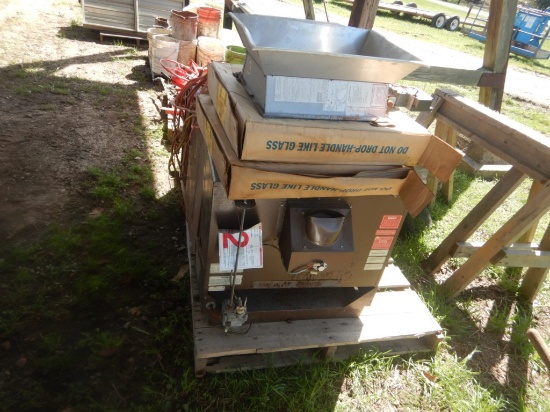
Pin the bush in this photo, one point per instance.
(541, 4)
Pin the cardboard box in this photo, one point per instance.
(312, 98)
(263, 180)
(254, 137)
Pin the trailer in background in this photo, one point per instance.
(531, 29)
(438, 19)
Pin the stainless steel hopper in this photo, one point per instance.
(305, 48)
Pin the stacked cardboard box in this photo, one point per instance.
(258, 157)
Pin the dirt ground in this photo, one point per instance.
(50, 137)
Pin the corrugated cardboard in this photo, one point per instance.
(262, 180)
(319, 141)
(313, 98)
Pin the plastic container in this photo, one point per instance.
(209, 50)
(187, 52)
(153, 31)
(164, 47)
(235, 54)
(209, 24)
(184, 25)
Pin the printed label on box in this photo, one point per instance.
(215, 268)
(216, 288)
(382, 242)
(251, 249)
(214, 281)
(338, 96)
(378, 253)
(373, 266)
(390, 221)
(386, 232)
(376, 259)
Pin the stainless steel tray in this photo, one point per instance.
(306, 48)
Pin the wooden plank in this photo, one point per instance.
(309, 10)
(494, 198)
(309, 356)
(513, 142)
(524, 258)
(512, 229)
(120, 36)
(466, 249)
(393, 278)
(449, 136)
(408, 317)
(280, 336)
(528, 236)
(136, 15)
(427, 118)
(363, 14)
(447, 75)
(328, 352)
(534, 277)
(433, 182)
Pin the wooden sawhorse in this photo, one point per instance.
(529, 154)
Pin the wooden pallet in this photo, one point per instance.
(397, 321)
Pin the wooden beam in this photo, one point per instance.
(363, 14)
(497, 48)
(433, 182)
(427, 118)
(448, 75)
(136, 15)
(528, 236)
(496, 196)
(309, 10)
(513, 142)
(511, 230)
(466, 249)
(534, 277)
(524, 258)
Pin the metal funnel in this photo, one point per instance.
(323, 227)
(312, 49)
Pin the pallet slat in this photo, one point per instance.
(397, 321)
(283, 336)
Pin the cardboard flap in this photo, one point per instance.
(260, 184)
(440, 159)
(415, 194)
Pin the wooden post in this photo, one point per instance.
(528, 236)
(497, 48)
(363, 14)
(309, 10)
(534, 277)
(448, 135)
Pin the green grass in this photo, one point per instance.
(135, 329)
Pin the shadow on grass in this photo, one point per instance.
(93, 318)
(87, 253)
(487, 323)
